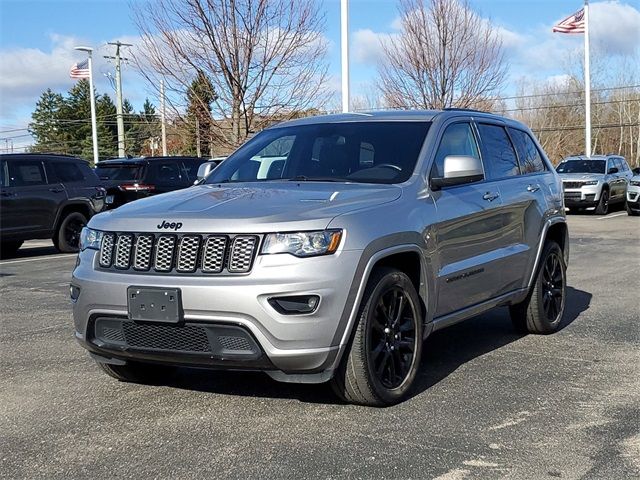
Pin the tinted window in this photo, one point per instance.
(26, 173)
(581, 166)
(367, 152)
(497, 152)
(191, 167)
(457, 139)
(161, 173)
(3, 175)
(529, 155)
(625, 166)
(67, 172)
(119, 172)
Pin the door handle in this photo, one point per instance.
(56, 190)
(533, 188)
(490, 197)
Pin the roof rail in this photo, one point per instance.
(454, 109)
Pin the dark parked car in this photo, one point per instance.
(128, 179)
(46, 196)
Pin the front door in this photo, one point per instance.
(468, 233)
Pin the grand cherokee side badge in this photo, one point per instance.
(170, 226)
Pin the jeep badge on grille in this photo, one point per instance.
(170, 226)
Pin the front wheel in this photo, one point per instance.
(381, 364)
(603, 205)
(541, 312)
(67, 238)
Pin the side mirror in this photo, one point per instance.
(203, 172)
(613, 170)
(458, 170)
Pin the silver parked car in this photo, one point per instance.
(633, 194)
(328, 249)
(597, 181)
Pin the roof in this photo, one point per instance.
(592, 157)
(48, 156)
(390, 115)
(137, 160)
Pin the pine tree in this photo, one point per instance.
(200, 96)
(45, 126)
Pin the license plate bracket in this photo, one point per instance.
(154, 304)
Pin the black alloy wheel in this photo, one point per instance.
(392, 338)
(553, 284)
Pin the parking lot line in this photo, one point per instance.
(44, 257)
(611, 216)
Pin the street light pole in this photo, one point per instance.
(344, 48)
(92, 97)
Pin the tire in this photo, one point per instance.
(603, 205)
(384, 341)
(67, 237)
(9, 249)
(541, 312)
(632, 213)
(134, 372)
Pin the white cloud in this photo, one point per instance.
(615, 27)
(367, 46)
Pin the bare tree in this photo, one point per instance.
(446, 55)
(265, 58)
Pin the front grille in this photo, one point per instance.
(164, 337)
(572, 184)
(185, 253)
(234, 343)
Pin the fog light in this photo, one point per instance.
(295, 305)
(74, 293)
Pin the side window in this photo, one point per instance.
(26, 173)
(497, 152)
(529, 155)
(625, 166)
(68, 172)
(167, 174)
(191, 167)
(4, 177)
(613, 163)
(457, 139)
(367, 152)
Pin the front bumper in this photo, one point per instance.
(587, 196)
(288, 344)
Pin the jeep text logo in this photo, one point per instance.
(170, 226)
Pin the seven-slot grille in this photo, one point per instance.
(184, 253)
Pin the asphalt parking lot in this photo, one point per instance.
(489, 403)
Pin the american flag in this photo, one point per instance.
(572, 24)
(80, 70)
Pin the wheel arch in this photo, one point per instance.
(73, 206)
(554, 229)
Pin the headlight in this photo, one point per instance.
(90, 238)
(590, 182)
(302, 244)
(635, 183)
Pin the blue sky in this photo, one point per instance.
(37, 39)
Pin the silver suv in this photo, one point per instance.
(597, 181)
(328, 249)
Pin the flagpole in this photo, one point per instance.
(587, 81)
(344, 48)
(92, 98)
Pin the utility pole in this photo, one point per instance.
(344, 52)
(118, 44)
(163, 118)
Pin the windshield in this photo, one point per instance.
(581, 166)
(119, 172)
(366, 152)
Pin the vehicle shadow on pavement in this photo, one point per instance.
(443, 353)
(448, 349)
(31, 252)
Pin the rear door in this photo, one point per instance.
(468, 232)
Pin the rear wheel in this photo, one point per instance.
(135, 372)
(381, 364)
(9, 249)
(541, 312)
(603, 205)
(67, 238)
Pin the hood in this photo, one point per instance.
(247, 207)
(581, 176)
